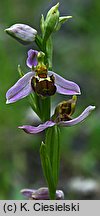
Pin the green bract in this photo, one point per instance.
(62, 20)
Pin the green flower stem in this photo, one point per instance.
(45, 108)
(50, 151)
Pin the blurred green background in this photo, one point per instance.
(76, 57)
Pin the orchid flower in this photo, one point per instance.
(41, 194)
(40, 81)
(61, 117)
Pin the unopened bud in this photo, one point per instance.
(41, 194)
(51, 21)
(22, 33)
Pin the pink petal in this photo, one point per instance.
(79, 119)
(65, 86)
(33, 130)
(21, 89)
(32, 58)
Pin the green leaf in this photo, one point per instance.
(53, 148)
(47, 170)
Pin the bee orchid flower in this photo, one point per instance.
(40, 81)
(41, 194)
(61, 117)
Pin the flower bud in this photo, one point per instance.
(22, 33)
(41, 194)
(51, 21)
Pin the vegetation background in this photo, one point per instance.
(76, 57)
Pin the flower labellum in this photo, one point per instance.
(22, 33)
(44, 87)
(41, 194)
(64, 110)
